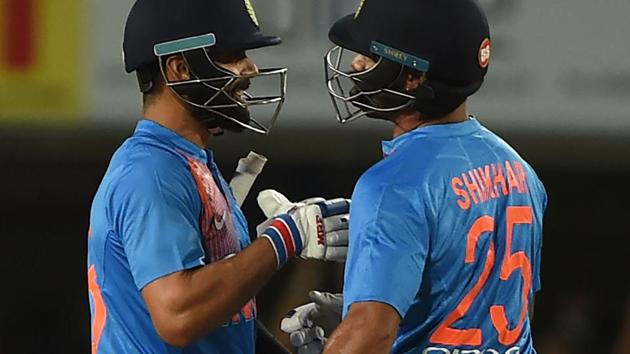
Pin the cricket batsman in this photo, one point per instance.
(445, 231)
(171, 268)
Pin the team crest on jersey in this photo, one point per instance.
(485, 51)
(356, 14)
(251, 12)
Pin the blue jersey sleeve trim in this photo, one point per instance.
(363, 299)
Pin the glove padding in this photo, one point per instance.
(309, 325)
(322, 226)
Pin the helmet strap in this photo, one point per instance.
(436, 99)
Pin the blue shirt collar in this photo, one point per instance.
(169, 137)
(449, 130)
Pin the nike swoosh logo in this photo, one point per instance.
(218, 224)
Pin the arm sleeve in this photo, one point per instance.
(387, 247)
(157, 222)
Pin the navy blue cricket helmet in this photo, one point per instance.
(447, 41)
(200, 31)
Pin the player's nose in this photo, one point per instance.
(362, 63)
(248, 67)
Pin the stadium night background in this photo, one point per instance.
(558, 90)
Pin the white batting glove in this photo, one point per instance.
(305, 337)
(328, 309)
(314, 228)
(308, 326)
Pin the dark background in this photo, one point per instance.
(558, 90)
(48, 179)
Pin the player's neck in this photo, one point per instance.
(169, 112)
(407, 122)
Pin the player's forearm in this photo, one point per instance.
(200, 300)
(368, 328)
(352, 339)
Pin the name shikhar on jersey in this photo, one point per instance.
(482, 184)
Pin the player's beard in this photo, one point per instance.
(212, 120)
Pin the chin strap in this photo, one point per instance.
(436, 99)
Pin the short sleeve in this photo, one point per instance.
(157, 221)
(387, 246)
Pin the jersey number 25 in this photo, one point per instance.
(512, 262)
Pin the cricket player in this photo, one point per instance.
(171, 268)
(445, 231)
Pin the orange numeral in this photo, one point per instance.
(100, 312)
(447, 335)
(512, 263)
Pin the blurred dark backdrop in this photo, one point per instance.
(47, 181)
(558, 90)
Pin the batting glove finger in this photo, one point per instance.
(327, 300)
(337, 238)
(298, 318)
(327, 312)
(337, 222)
(305, 335)
(336, 254)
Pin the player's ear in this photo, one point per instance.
(414, 79)
(177, 69)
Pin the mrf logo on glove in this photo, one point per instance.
(321, 238)
(315, 228)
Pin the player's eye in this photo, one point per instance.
(230, 56)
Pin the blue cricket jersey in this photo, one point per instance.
(162, 207)
(447, 229)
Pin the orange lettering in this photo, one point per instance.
(485, 193)
(464, 202)
(486, 179)
(499, 179)
(472, 186)
(512, 182)
(520, 174)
